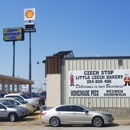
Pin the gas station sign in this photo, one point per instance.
(29, 14)
(13, 34)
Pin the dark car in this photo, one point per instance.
(33, 95)
(43, 94)
(2, 95)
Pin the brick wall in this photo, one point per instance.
(53, 90)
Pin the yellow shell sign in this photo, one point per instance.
(29, 14)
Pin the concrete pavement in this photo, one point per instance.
(122, 122)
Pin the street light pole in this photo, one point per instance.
(40, 82)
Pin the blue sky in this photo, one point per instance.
(88, 27)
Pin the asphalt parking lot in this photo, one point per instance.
(33, 122)
(33, 119)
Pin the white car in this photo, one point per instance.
(25, 98)
(75, 114)
(18, 102)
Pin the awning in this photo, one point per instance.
(14, 80)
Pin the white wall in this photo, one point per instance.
(92, 64)
(53, 90)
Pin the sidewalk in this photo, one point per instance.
(122, 122)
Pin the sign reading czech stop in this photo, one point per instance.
(29, 14)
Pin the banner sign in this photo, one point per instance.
(99, 83)
(13, 34)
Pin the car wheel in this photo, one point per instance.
(12, 117)
(54, 121)
(97, 122)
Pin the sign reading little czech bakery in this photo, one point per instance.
(99, 83)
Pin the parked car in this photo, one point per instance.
(25, 98)
(75, 114)
(42, 108)
(18, 102)
(34, 95)
(43, 94)
(25, 102)
(2, 94)
(12, 112)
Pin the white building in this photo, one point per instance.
(101, 83)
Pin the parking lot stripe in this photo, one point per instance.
(39, 117)
(21, 124)
(29, 123)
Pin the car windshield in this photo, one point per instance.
(7, 104)
(43, 94)
(86, 108)
(29, 95)
(21, 101)
(35, 94)
(24, 96)
(38, 94)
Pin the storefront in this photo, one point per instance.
(97, 82)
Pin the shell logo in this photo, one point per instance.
(29, 14)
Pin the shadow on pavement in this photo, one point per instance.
(111, 125)
(87, 125)
(27, 119)
(34, 114)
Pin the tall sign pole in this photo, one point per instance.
(13, 59)
(30, 65)
(29, 14)
(13, 34)
(13, 63)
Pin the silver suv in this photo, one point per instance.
(25, 98)
(17, 102)
(12, 112)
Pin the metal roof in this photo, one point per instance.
(15, 80)
(98, 57)
(61, 54)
